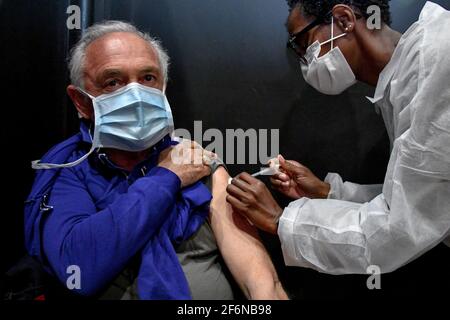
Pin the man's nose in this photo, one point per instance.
(132, 79)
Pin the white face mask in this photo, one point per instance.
(329, 74)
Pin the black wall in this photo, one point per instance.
(230, 69)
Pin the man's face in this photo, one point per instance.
(117, 59)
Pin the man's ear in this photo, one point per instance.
(344, 17)
(81, 102)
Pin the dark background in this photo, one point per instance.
(230, 69)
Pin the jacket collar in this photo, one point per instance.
(101, 159)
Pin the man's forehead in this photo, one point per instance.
(119, 44)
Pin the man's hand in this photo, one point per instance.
(188, 160)
(297, 181)
(251, 198)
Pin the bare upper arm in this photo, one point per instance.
(222, 211)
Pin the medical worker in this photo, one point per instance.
(339, 227)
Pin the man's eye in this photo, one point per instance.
(112, 83)
(149, 77)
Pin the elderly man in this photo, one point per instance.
(113, 206)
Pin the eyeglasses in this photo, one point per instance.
(295, 41)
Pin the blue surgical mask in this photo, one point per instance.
(133, 118)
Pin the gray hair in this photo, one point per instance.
(78, 53)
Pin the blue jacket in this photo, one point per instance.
(98, 217)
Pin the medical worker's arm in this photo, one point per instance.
(301, 182)
(411, 215)
(241, 247)
(349, 191)
(101, 243)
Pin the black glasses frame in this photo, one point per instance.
(296, 47)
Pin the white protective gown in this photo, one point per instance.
(389, 225)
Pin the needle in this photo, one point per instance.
(270, 171)
(265, 172)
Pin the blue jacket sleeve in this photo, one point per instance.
(101, 243)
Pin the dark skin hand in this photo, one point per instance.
(250, 197)
(297, 181)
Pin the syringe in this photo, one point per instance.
(269, 171)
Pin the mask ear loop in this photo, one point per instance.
(333, 38)
(332, 32)
(38, 165)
